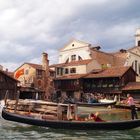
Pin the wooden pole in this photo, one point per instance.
(75, 112)
(59, 112)
(17, 98)
(6, 96)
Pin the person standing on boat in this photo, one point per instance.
(130, 102)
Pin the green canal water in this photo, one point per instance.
(17, 131)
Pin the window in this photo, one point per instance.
(59, 71)
(79, 58)
(39, 73)
(67, 60)
(139, 68)
(26, 72)
(66, 71)
(73, 57)
(136, 66)
(39, 83)
(73, 70)
(139, 43)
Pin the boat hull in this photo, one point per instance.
(77, 125)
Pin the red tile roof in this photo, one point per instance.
(69, 77)
(103, 57)
(36, 66)
(132, 86)
(109, 72)
(120, 58)
(73, 63)
(8, 75)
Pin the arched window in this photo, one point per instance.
(79, 58)
(73, 57)
(39, 83)
(67, 60)
(139, 68)
(136, 68)
(139, 43)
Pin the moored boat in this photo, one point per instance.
(100, 103)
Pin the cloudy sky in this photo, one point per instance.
(30, 27)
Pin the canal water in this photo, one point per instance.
(17, 131)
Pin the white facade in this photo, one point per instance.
(79, 69)
(78, 49)
(137, 35)
(133, 55)
(133, 59)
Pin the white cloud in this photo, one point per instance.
(30, 27)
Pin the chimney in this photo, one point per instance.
(45, 61)
(45, 66)
(6, 70)
(123, 51)
(96, 48)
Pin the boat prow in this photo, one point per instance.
(2, 104)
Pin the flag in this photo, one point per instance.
(19, 73)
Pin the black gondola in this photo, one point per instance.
(77, 125)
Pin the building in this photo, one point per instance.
(74, 61)
(108, 81)
(35, 79)
(7, 85)
(131, 56)
(78, 58)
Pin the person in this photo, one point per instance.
(96, 117)
(130, 102)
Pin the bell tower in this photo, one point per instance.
(137, 37)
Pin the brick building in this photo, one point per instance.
(35, 79)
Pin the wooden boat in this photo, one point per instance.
(67, 124)
(100, 103)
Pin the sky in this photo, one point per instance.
(30, 27)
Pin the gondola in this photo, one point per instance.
(70, 124)
(96, 104)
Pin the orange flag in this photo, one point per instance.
(19, 73)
